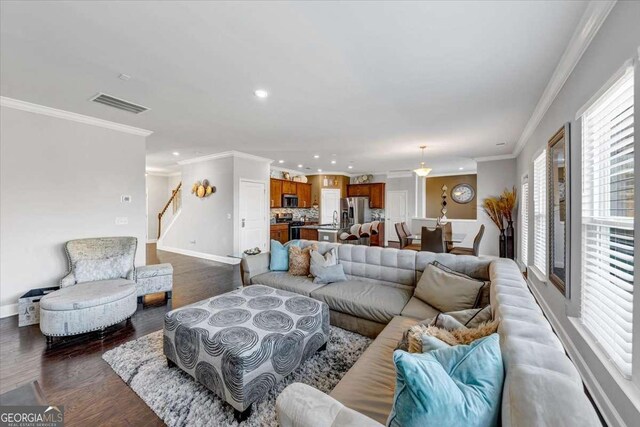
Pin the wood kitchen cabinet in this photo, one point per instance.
(289, 187)
(308, 234)
(276, 193)
(304, 195)
(375, 193)
(280, 232)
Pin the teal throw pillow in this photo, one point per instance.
(455, 386)
(279, 260)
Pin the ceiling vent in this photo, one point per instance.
(118, 103)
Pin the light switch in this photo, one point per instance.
(122, 220)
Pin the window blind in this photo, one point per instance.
(540, 212)
(608, 220)
(524, 222)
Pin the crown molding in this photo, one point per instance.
(400, 174)
(224, 154)
(350, 175)
(153, 172)
(67, 115)
(591, 21)
(493, 158)
(439, 175)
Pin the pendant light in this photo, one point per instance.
(422, 171)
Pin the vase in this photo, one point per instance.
(510, 235)
(503, 244)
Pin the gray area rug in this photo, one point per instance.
(180, 401)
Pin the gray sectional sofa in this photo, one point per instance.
(542, 386)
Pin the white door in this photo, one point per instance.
(253, 223)
(329, 202)
(395, 211)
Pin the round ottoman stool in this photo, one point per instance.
(87, 307)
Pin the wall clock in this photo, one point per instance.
(463, 193)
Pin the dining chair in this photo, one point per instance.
(448, 236)
(403, 238)
(475, 250)
(432, 240)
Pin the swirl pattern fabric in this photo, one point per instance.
(240, 344)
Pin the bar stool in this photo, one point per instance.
(375, 234)
(353, 236)
(365, 234)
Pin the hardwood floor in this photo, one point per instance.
(72, 372)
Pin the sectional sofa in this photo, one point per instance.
(542, 386)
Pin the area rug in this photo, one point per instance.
(179, 400)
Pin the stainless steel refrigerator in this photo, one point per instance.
(354, 210)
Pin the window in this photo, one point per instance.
(540, 213)
(524, 221)
(607, 220)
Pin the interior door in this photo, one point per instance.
(253, 223)
(396, 211)
(329, 202)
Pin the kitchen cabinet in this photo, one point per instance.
(280, 232)
(289, 187)
(304, 195)
(375, 193)
(276, 193)
(308, 234)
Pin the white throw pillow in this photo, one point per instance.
(319, 261)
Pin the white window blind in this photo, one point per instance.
(524, 222)
(540, 212)
(607, 220)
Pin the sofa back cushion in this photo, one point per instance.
(472, 266)
(537, 367)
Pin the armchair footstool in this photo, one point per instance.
(151, 279)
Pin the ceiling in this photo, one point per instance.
(362, 83)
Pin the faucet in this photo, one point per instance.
(334, 223)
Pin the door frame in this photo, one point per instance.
(389, 229)
(266, 209)
(332, 190)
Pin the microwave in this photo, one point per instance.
(289, 201)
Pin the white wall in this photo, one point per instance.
(616, 41)
(493, 178)
(62, 180)
(156, 199)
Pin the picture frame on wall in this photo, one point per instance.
(558, 197)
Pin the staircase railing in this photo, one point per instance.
(174, 194)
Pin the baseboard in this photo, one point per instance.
(211, 257)
(8, 310)
(152, 240)
(588, 378)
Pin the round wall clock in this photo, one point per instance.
(463, 193)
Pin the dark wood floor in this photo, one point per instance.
(72, 372)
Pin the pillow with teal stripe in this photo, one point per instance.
(456, 386)
(279, 260)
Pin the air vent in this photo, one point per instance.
(118, 103)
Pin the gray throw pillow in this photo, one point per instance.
(90, 270)
(446, 291)
(471, 318)
(330, 274)
(483, 296)
(319, 261)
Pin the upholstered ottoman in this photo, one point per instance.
(240, 344)
(87, 307)
(151, 279)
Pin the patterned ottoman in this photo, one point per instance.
(240, 344)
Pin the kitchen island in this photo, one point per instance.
(321, 232)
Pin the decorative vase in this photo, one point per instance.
(503, 244)
(510, 236)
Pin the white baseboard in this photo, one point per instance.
(605, 406)
(152, 240)
(8, 310)
(211, 257)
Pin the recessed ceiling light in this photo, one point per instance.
(261, 93)
(175, 153)
(280, 161)
(319, 170)
(333, 162)
(299, 166)
(350, 166)
(316, 156)
(460, 168)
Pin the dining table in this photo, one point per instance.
(455, 238)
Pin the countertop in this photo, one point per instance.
(323, 227)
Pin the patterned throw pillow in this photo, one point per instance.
(91, 270)
(300, 260)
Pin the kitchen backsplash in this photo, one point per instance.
(313, 214)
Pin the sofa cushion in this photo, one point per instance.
(89, 294)
(419, 310)
(447, 291)
(154, 270)
(369, 385)
(302, 285)
(330, 274)
(368, 300)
